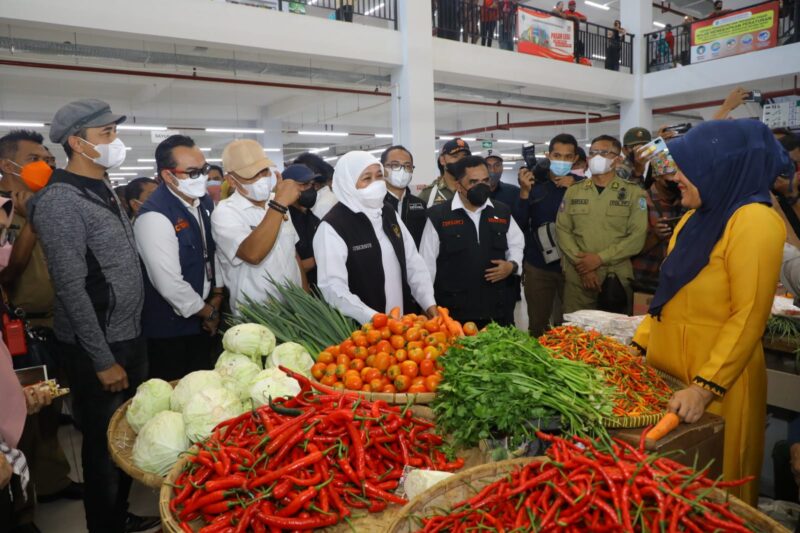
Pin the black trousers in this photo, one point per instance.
(106, 487)
(345, 13)
(174, 357)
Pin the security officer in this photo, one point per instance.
(601, 224)
(473, 249)
(444, 188)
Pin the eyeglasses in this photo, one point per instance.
(604, 153)
(194, 173)
(397, 166)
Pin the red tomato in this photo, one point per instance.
(318, 370)
(427, 367)
(409, 369)
(380, 320)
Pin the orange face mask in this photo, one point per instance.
(35, 175)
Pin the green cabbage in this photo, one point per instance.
(292, 356)
(237, 373)
(192, 383)
(272, 382)
(152, 397)
(253, 340)
(207, 408)
(160, 442)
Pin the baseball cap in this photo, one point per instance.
(455, 146)
(87, 113)
(245, 157)
(299, 173)
(491, 155)
(636, 136)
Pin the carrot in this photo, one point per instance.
(453, 326)
(667, 423)
(395, 313)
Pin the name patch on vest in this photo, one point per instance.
(359, 247)
(579, 201)
(618, 203)
(416, 207)
(448, 223)
(181, 225)
(497, 220)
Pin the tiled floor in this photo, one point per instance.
(65, 516)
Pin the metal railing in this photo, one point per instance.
(672, 46)
(344, 10)
(470, 21)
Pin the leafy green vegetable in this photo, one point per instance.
(503, 383)
(152, 397)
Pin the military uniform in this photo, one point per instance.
(436, 193)
(612, 224)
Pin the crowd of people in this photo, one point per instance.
(121, 286)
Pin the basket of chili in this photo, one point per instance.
(578, 485)
(121, 438)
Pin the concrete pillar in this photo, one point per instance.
(637, 18)
(413, 116)
(272, 138)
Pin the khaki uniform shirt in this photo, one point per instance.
(33, 290)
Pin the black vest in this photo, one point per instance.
(413, 213)
(365, 275)
(460, 283)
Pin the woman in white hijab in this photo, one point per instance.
(367, 261)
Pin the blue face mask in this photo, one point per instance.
(560, 168)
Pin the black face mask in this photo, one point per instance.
(308, 198)
(478, 195)
(450, 167)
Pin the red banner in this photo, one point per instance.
(545, 35)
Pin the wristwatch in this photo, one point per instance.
(516, 267)
(214, 314)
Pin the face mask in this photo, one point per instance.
(260, 190)
(35, 175)
(372, 196)
(578, 172)
(494, 178)
(450, 168)
(308, 198)
(399, 178)
(560, 168)
(193, 188)
(111, 155)
(599, 165)
(478, 195)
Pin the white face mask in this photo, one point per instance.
(193, 188)
(399, 178)
(599, 165)
(372, 196)
(260, 190)
(111, 155)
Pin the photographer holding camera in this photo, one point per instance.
(542, 188)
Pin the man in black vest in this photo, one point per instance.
(173, 236)
(473, 248)
(398, 164)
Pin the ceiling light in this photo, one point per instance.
(384, 136)
(659, 24)
(598, 6)
(511, 141)
(145, 160)
(136, 168)
(205, 149)
(141, 128)
(13, 124)
(598, 56)
(369, 12)
(217, 160)
(234, 130)
(319, 150)
(446, 137)
(334, 158)
(272, 149)
(588, 145)
(512, 156)
(324, 133)
(376, 151)
(113, 174)
(128, 148)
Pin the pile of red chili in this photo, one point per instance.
(303, 463)
(580, 488)
(640, 390)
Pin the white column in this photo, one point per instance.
(636, 18)
(272, 138)
(413, 117)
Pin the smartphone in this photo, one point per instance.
(753, 96)
(672, 222)
(657, 153)
(529, 155)
(679, 129)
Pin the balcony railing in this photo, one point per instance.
(469, 21)
(344, 10)
(672, 46)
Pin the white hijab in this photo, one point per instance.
(346, 174)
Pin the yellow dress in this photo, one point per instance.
(710, 334)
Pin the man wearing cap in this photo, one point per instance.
(398, 164)
(633, 167)
(254, 235)
(92, 259)
(444, 188)
(182, 295)
(304, 220)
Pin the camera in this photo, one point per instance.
(679, 129)
(753, 96)
(529, 155)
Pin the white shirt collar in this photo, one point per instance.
(195, 202)
(458, 204)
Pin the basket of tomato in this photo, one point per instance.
(392, 358)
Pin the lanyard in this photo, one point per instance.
(206, 259)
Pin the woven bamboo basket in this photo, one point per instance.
(466, 484)
(399, 398)
(121, 437)
(630, 422)
(376, 522)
